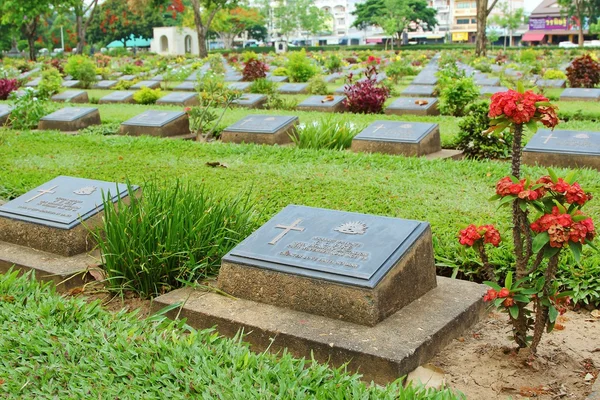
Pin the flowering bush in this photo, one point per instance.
(558, 224)
(7, 86)
(82, 69)
(254, 69)
(373, 61)
(300, 67)
(365, 97)
(27, 110)
(476, 144)
(584, 72)
(146, 95)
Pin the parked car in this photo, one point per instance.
(567, 45)
(591, 43)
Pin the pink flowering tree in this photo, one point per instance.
(547, 219)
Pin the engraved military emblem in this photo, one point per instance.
(406, 126)
(582, 136)
(352, 228)
(85, 191)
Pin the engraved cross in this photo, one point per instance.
(292, 227)
(247, 120)
(548, 138)
(378, 128)
(41, 193)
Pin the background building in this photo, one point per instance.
(548, 26)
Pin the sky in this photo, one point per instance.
(531, 4)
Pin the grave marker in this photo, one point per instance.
(158, 123)
(186, 86)
(33, 83)
(70, 84)
(485, 81)
(419, 91)
(148, 84)
(489, 90)
(428, 79)
(120, 96)
(323, 103)
(4, 113)
(293, 88)
(105, 84)
(70, 119)
(71, 96)
(551, 83)
(563, 148)
(413, 106)
(580, 94)
(241, 86)
(279, 79)
(127, 78)
(395, 137)
(306, 252)
(261, 129)
(186, 99)
(250, 100)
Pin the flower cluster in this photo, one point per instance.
(503, 293)
(560, 303)
(520, 108)
(562, 228)
(372, 60)
(573, 194)
(471, 234)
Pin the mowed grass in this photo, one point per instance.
(447, 194)
(63, 348)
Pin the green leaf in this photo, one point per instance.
(523, 206)
(552, 314)
(569, 293)
(576, 250)
(529, 291)
(561, 208)
(508, 281)
(532, 126)
(551, 251)
(549, 327)
(514, 179)
(495, 197)
(514, 311)
(521, 298)
(579, 217)
(493, 285)
(539, 241)
(498, 302)
(553, 175)
(520, 87)
(506, 201)
(592, 245)
(571, 177)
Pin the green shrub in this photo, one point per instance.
(483, 64)
(277, 102)
(263, 86)
(396, 70)
(216, 64)
(50, 84)
(280, 71)
(316, 85)
(146, 95)
(124, 85)
(333, 63)
(329, 132)
(81, 68)
(554, 74)
(456, 89)
(474, 142)
(174, 234)
(28, 109)
(300, 67)
(527, 56)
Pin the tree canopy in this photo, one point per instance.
(394, 15)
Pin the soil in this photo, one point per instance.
(483, 364)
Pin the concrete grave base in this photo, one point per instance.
(423, 110)
(282, 136)
(430, 144)
(382, 353)
(92, 118)
(177, 127)
(561, 160)
(446, 153)
(66, 272)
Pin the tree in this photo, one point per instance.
(483, 11)
(508, 20)
(394, 16)
(81, 11)
(311, 19)
(229, 23)
(115, 20)
(204, 13)
(580, 10)
(26, 16)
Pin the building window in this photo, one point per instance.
(467, 4)
(462, 21)
(473, 21)
(341, 21)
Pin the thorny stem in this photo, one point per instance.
(488, 270)
(541, 315)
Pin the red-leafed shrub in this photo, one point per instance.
(365, 97)
(584, 72)
(7, 86)
(254, 69)
(58, 65)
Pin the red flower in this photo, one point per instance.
(521, 108)
(490, 295)
(561, 186)
(548, 116)
(508, 302)
(490, 235)
(576, 195)
(507, 187)
(469, 236)
(504, 292)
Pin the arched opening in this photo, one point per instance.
(164, 44)
(188, 44)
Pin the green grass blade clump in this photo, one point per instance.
(170, 235)
(64, 348)
(329, 132)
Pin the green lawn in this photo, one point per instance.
(448, 194)
(58, 348)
